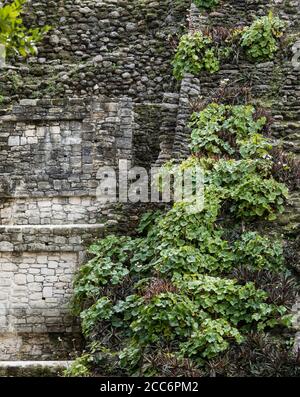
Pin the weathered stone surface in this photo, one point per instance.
(112, 60)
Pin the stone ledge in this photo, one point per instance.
(7, 228)
(33, 368)
(30, 364)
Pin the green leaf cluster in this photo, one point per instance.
(195, 53)
(229, 130)
(18, 39)
(260, 40)
(244, 177)
(198, 52)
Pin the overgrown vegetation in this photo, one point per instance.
(195, 53)
(207, 50)
(191, 295)
(18, 39)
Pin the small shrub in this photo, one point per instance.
(14, 35)
(195, 53)
(260, 40)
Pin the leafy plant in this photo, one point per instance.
(184, 286)
(259, 252)
(207, 49)
(81, 367)
(249, 187)
(107, 267)
(244, 180)
(260, 40)
(101, 310)
(239, 305)
(14, 35)
(195, 53)
(225, 129)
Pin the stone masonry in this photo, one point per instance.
(101, 90)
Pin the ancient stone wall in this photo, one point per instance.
(113, 58)
(105, 47)
(51, 152)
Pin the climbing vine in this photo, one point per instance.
(260, 40)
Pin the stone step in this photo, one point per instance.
(33, 368)
(30, 364)
(84, 226)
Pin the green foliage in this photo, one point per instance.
(229, 130)
(14, 35)
(259, 252)
(213, 257)
(107, 267)
(195, 53)
(258, 197)
(260, 39)
(200, 51)
(101, 310)
(211, 339)
(249, 187)
(80, 367)
(167, 316)
(148, 220)
(206, 4)
(255, 146)
(245, 180)
(221, 297)
(172, 288)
